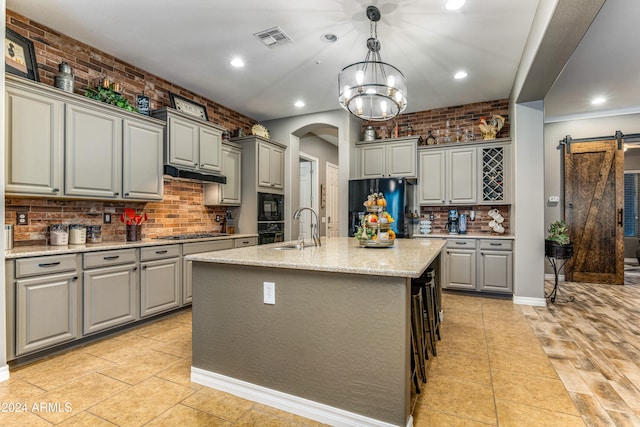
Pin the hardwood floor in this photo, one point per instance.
(498, 364)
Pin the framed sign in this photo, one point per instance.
(19, 56)
(188, 106)
(143, 104)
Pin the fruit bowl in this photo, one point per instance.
(376, 243)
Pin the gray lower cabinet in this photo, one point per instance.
(109, 289)
(495, 266)
(460, 262)
(46, 303)
(159, 279)
(198, 248)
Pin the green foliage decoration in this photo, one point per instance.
(109, 96)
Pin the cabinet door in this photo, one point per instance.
(46, 312)
(33, 143)
(401, 160)
(109, 297)
(495, 271)
(372, 161)
(264, 165)
(142, 172)
(461, 269)
(461, 176)
(183, 143)
(276, 167)
(93, 153)
(432, 177)
(231, 168)
(159, 286)
(210, 152)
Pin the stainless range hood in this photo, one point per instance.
(189, 174)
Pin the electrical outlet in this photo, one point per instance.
(217, 218)
(22, 218)
(106, 218)
(269, 292)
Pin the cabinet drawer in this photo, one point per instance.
(497, 245)
(247, 241)
(159, 252)
(211, 245)
(461, 243)
(45, 265)
(104, 258)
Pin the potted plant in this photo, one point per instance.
(558, 244)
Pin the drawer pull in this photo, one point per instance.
(495, 244)
(461, 243)
(246, 242)
(49, 264)
(110, 258)
(162, 252)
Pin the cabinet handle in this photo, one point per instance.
(56, 190)
(135, 268)
(162, 252)
(495, 244)
(202, 165)
(144, 267)
(246, 242)
(461, 243)
(74, 278)
(126, 194)
(110, 258)
(116, 194)
(195, 164)
(49, 264)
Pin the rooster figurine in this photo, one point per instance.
(490, 129)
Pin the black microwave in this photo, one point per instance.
(270, 207)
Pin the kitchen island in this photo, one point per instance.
(335, 344)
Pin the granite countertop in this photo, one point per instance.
(407, 258)
(445, 235)
(40, 250)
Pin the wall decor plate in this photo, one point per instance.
(260, 130)
(188, 106)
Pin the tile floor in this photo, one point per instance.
(498, 364)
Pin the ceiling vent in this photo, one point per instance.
(273, 37)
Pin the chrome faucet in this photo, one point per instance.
(315, 235)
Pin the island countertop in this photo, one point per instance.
(407, 258)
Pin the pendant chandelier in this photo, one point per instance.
(372, 89)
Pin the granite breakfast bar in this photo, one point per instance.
(335, 345)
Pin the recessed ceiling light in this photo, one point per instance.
(454, 4)
(299, 104)
(330, 37)
(460, 75)
(237, 62)
(599, 100)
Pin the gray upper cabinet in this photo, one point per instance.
(142, 160)
(34, 137)
(64, 145)
(432, 190)
(390, 159)
(270, 165)
(93, 153)
(231, 192)
(191, 143)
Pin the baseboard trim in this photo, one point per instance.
(537, 302)
(286, 402)
(4, 373)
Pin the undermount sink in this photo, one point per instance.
(286, 247)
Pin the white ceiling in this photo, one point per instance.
(191, 42)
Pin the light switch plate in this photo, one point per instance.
(269, 292)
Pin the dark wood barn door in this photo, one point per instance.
(594, 196)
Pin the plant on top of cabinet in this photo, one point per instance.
(109, 96)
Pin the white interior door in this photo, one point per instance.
(333, 219)
(306, 198)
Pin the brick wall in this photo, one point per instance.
(480, 225)
(181, 211)
(465, 117)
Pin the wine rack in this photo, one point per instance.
(493, 160)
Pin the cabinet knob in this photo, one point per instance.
(126, 194)
(144, 267)
(195, 164)
(56, 190)
(116, 194)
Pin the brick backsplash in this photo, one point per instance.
(181, 211)
(480, 225)
(464, 116)
(90, 64)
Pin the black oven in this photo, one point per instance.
(270, 232)
(270, 207)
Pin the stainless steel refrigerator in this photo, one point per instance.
(398, 192)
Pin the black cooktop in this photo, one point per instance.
(192, 236)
